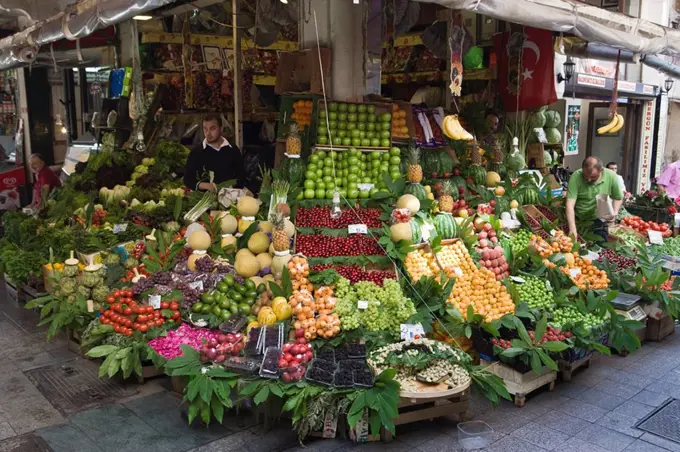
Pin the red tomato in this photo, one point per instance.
(159, 322)
(157, 314)
(110, 299)
(127, 311)
(143, 328)
(142, 318)
(165, 305)
(175, 315)
(116, 293)
(149, 309)
(174, 306)
(104, 321)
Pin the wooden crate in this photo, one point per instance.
(73, 342)
(14, 291)
(149, 371)
(452, 403)
(658, 329)
(567, 368)
(521, 384)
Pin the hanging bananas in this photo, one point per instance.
(613, 126)
(454, 130)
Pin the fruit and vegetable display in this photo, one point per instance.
(374, 269)
(643, 226)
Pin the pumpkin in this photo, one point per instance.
(283, 311)
(266, 316)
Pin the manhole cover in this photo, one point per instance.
(75, 386)
(664, 421)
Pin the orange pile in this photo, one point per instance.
(420, 263)
(298, 267)
(589, 276)
(302, 113)
(562, 243)
(455, 259)
(487, 296)
(399, 127)
(541, 247)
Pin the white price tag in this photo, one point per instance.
(365, 187)
(574, 272)
(518, 279)
(552, 232)
(411, 331)
(118, 228)
(677, 220)
(196, 285)
(457, 271)
(548, 286)
(362, 304)
(155, 301)
(655, 237)
(357, 229)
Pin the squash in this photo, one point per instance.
(277, 301)
(283, 311)
(266, 316)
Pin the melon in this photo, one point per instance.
(409, 202)
(500, 168)
(246, 265)
(416, 231)
(244, 252)
(229, 224)
(248, 206)
(265, 260)
(477, 174)
(258, 242)
(400, 231)
(266, 226)
(199, 240)
(228, 240)
(446, 226)
(289, 227)
(243, 225)
(416, 190)
(492, 179)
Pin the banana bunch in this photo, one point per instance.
(613, 126)
(454, 130)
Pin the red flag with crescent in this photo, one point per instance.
(526, 73)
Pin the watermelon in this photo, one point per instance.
(552, 119)
(528, 195)
(416, 190)
(416, 231)
(477, 174)
(458, 181)
(502, 205)
(446, 226)
(445, 163)
(430, 163)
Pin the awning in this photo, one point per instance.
(588, 22)
(588, 86)
(77, 21)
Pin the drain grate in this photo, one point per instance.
(663, 421)
(75, 386)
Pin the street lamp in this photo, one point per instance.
(569, 67)
(668, 84)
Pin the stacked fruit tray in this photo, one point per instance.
(348, 244)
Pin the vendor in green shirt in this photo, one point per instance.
(584, 185)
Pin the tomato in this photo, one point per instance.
(165, 305)
(142, 318)
(110, 299)
(159, 322)
(157, 314)
(149, 309)
(116, 293)
(116, 307)
(128, 332)
(116, 329)
(143, 328)
(176, 315)
(127, 311)
(174, 306)
(104, 321)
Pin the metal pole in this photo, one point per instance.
(238, 123)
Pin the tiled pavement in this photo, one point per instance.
(596, 412)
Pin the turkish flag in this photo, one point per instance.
(526, 76)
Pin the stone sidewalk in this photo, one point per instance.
(595, 412)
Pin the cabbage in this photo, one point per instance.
(537, 120)
(547, 158)
(552, 119)
(515, 161)
(553, 135)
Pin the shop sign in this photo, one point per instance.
(627, 86)
(573, 125)
(591, 80)
(646, 144)
(10, 182)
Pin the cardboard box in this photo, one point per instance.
(535, 153)
(299, 72)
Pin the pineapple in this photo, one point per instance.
(475, 155)
(445, 199)
(415, 171)
(293, 142)
(279, 236)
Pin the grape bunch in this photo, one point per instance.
(387, 306)
(534, 293)
(142, 286)
(190, 296)
(163, 278)
(205, 264)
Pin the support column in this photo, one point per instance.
(340, 24)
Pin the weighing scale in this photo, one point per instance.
(628, 306)
(673, 267)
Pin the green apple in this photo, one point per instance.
(375, 142)
(322, 139)
(394, 160)
(385, 142)
(320, 184)
(310, 193)
(352, 117)
(310, 175)
(372, 119)
(329, 193)
(395, 151)
(370, 109)
(361, 108)
(320, 193)
(352, 108)
(365, 142)
(342, 117)
(332, 117)
(363, 194)
(332, 106)
(309, 184)
(342, 107)
(370, 127)
(327, 171)
(353, 194)
(347, 141)
(300, 195)
(356, 141)
(361, 126)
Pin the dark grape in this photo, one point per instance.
(163, 278)
(142, 285)
(205, 264)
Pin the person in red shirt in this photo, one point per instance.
(44, 176)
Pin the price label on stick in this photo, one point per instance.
(365, 187)
(518, 279)
(196, 285)
(655, 237)
(574, 272)
(357, 229)
(411, 331)
(362, 304)
(118, 228)
(155, 301)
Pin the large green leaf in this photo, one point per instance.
(102, 350)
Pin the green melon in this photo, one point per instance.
(502, 205)
(477, 174)
(416, 231)
(499, 168)
(416, 190)
(446, 226)
(445, 162)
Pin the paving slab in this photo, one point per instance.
(562, 422)
(596, 397)
(578, 445)
(661, 442)
(67, 438)
(642, 446)
(620, 423)
(650, 398)
(605, 438)
(512, 444)
(6, 431)
(582, 410)
(24, 443)
(541, 436)
(634, 409)
(436, 443)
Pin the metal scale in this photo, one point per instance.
(628, 306)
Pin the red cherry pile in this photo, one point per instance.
(296, 355)
(321, 245)
(217, 349)
(320, 217)
(547, 213)
(401, 216)
(551, 335)
(502, 343)
(354, 273)
(619, 262)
